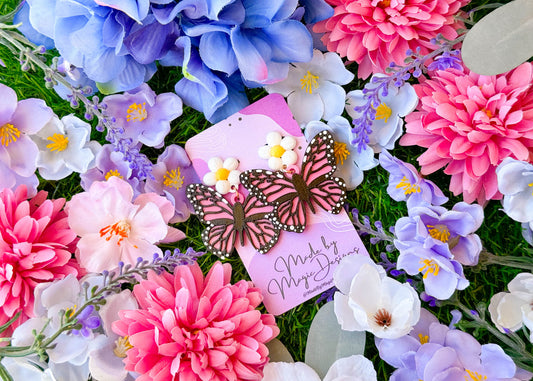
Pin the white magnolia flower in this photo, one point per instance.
(279, 151)
(353, 368)
(23, 369)
(515, 182)
(511, 310)
(387, 127)
(378, 304)
(64, 147)
(350, 162)
(313, 89)
(224, 174)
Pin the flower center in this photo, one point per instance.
(113, 172)
(122, 345)
(173, 179)
(277, 151)
(136, 112)
(222, 174)
(309, 82)
(423, 338)
(383, 318)
(59, 142)
(487, 112)
(439, 232)
(474, 376)
(408, 187)
(383, 111)
(69, 312)
(8, 134)
(121, 229)
(384, 3)
(341, 152)
(429, 267)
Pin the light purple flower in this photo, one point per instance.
(515, 182)
(405, 183)
(144, 115)
(17, 121)
(9, 179)
(172, 173)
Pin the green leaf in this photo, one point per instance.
(327, 342)
(277, 352)
(4, 374)
(500, 41)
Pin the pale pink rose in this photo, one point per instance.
(469, 123)
(375, 33)
(113, 228)
(193, 328)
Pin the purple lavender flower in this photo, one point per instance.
(88, 321)
(171, 175)
(448, 59)
(405, 183)
(144, 116)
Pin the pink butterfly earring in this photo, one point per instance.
(291, 194)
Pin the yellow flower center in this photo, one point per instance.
(429, 267)
(8, 134)
(113, 172)
(59, 142)
(408, 187)
(309, 82)
(173, 179)
(277, 151)
(487, 112)
(384, 3)
(474, 376)
(222, 174)
(122, 345)
(341, 152)
(136, 112)
(383, 112)
(423, 338)
(121, 229)
(69, 312)
(439, 232)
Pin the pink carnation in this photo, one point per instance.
(375, 33)
(469, 123)
(189, 328)
(36, 246)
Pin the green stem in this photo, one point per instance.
(4, 374)
(486, 258)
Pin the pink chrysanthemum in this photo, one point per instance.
(469, 123)
(375, 33)
(189, 328)
(35, 247)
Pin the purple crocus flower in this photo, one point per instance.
(88, 321)
(171, 175)
(9, 179)
(17, 121)
(144, 116)
(405, 183)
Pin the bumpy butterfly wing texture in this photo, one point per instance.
(317, 171)
(220, 235)
(259, 230)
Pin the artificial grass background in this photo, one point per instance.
(499, 233)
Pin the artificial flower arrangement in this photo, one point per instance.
(105, 274)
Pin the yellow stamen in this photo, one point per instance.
(487, 112)
(474, 376)
(173, 179)
(383, 112)
(122, 345)
(69, 312)
(136, 112)
(8, 134)
(222, 174)
(408, 187)
(121, 229)
(309, 82)
(113, 172)
(429, 267)
(59, 142)
(423, 338)
(277, 151)
(439, 232)
(341, 152)
(384, 3)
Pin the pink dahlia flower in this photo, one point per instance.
(469, 123)
(375, 33)
(192, 328)
(36, 246)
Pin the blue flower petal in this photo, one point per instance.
(23, 17)
(290, 41)
(217, 53)
(316, 10)
(136, 9)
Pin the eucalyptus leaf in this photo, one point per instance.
(500, 41)
(277, 352)
(327, 342)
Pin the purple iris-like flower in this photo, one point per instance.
(88, 322)
(17, 121)
(171, 175)
(144, 116)
(405, 183)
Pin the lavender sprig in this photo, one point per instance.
(379, 86)
(378, 234)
